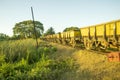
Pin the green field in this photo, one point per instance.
(20, 60)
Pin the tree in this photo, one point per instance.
(25, 29)
(70, 28)
(50, 31)
(3, 37)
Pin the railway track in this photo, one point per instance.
(104, 52)
(112, 55)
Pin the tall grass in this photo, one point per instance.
(19, 60)
(16, 50)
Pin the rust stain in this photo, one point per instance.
(113, 57)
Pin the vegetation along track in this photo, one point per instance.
(100, 51)
(88, 64)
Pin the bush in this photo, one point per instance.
(24, 61)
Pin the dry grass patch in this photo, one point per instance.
(62, 52)
(94, 66)
(88, 65)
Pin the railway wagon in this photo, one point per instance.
(53, 38)
(71, 37)
(49, 38)
(85, 36)
(63, 38)
(58, 37)
(74, 37)
(102, 35)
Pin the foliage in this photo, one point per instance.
(3, 37)
(88, 65)
(70, 28)
(25, 29)
(15, 50)
(50, 31)
(23, 62)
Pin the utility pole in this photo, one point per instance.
(34, 28)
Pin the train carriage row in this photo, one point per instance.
(91, 37)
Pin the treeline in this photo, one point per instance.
(70, 28)
(3, 37)
(25, 29)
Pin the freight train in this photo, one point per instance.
(100, 36)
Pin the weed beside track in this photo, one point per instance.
(20, 61)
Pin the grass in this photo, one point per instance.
(95, 66)
(19, 60)
(88, 65)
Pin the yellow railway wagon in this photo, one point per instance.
(58, 35)
(118, 27)
(107, 29)
(54, 36)
(84, 31)
(100, 30)
(74, 34)
(92, 31)
(51, 36)
(67, 34)
(48, 36)
(110, 29)
(63, 35)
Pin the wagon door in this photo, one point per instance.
(110, 29)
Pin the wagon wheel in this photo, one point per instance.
(74, 44)
(101, 46)
(64, 42)
(118, 48)
(97, 46)
(59, 41)
(88, 44)
(54, 40)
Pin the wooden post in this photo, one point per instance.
(34, 28)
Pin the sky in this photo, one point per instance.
(58, 14)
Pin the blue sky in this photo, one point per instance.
(58, 14)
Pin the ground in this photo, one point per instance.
(89, 65)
